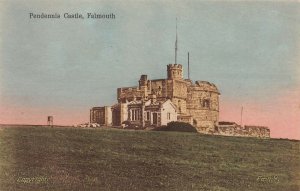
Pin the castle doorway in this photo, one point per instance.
(154, 117)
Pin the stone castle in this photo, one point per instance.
(157, 102)
(154, 103)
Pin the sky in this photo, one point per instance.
(63, 67)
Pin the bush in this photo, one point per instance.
(177, 126)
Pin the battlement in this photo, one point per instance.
(205, 86)
(174, 66)
(174, 71)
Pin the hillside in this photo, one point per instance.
(42, 158)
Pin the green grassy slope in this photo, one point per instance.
(40, 158)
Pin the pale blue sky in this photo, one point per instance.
(249, 50)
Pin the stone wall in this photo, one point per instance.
(186, 119)
(233, 129)
(129, 94)
(179, 89)
(159, 88)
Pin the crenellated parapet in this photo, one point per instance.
(174, 66)
(175, 72)
(205, 86)
(129, 93)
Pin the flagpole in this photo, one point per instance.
(176, 44)
(188, 65)
(242, 116)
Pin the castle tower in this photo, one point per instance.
(174, 72)
(143, 80)
(143, 85)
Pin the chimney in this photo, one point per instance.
(153, 98)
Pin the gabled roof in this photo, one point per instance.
(134, 102)
(169, 102)
(149, 103)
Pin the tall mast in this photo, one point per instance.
(176, 44)
(242, 116)
(188, 65)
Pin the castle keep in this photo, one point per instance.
(156, 102)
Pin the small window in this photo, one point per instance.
(133, 115)
(206, 103)
(148, 116)
(168, 116)
(138, 114)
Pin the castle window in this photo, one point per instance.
(135, 114)
(179, 106)
(148, 116)
(206, 103)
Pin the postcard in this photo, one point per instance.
(149, 95)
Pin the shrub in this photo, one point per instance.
(177, 126)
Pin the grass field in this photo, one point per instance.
(42, 158)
